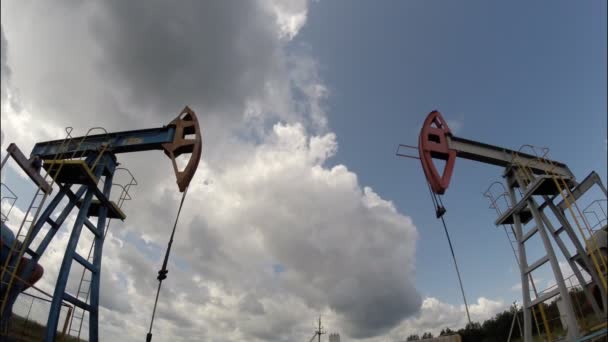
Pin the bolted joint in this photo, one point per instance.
(162, 274)
(440, 211)
(36, 163)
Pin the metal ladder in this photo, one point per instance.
(30, 214)
(514, 244)
(9, 268)
(36, 225)
(524, 176)
(84, 286)
(91, 263)
(7, 196)
(83, 295)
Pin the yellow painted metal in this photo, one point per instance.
(59, 156)
(529, 177)
(564, 190)
(594, 247)
(599, 326)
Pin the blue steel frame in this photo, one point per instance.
(105, 166)
(120, 142)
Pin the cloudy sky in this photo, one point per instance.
(299, 207)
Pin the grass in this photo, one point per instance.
(21, 330)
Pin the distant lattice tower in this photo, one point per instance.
(334, 337)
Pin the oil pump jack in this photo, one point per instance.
(534, 185)
(76, 165)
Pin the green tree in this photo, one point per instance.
(413, 337)
(472, 332)
(427, 335)
(446, 331)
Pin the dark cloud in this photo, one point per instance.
(115, 290)
(211, 55)
(343, 247)
(388, 298)
(5, 71)
(249, 304)
(269, 200)
(5, 76)
(144, 60)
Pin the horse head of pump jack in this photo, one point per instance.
(187, 140)
(433, 143)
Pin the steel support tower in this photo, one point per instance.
(77, 167)
(535, 187)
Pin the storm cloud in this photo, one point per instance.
(272, 235)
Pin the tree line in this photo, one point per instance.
(497, 328)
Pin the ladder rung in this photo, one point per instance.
(84, 262)
(91, 227)
(31, 252)
(544, 297)
(11, 266)
(84, 291)
(537, 264)
(53, 224)
(529, 234)
(558, 231)
(71, 299)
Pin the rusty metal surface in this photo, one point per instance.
(29, 168)
(433, 143)
(186, 124)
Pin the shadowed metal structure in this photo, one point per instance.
(76, 166)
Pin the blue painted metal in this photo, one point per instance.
(97, 253)
(106, 165)
(85, 263)
(64, 271)
(602, 332)
(58, 222)
(92, 227)
(71, 299)
(35, 255)
(119, 142)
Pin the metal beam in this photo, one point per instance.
(118, 142)
(28, 168)
(523, 264)
(494, 155)
(581, 188)
(575, 268)
(572, 329)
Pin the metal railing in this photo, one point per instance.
(84, 286)
(8, 196)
